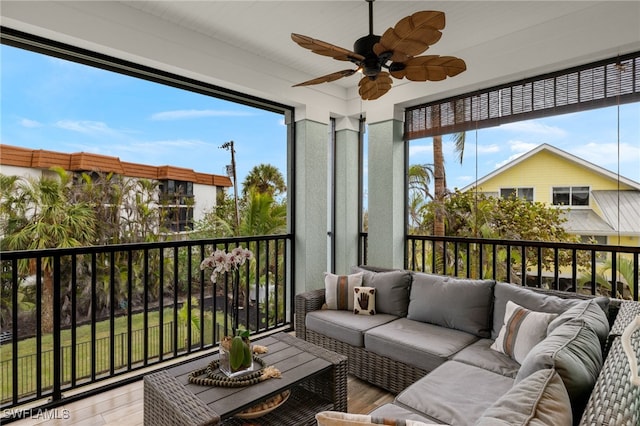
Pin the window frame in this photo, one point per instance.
(571, 197)
(517, 190)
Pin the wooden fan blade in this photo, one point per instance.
(430, 68)
(327, 49)
(412, 35)
(373, 89)
(327, 78)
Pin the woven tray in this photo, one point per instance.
(300, 409)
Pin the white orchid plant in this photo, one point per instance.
(221, 261)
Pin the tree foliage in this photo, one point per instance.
(478, 215)
(62, 209)
(261, 212)
(468, 214)
(264, 179)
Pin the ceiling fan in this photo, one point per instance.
(395, 51)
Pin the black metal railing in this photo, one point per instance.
(585, 268)
(74, 317)
(27, 362)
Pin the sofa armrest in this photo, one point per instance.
(614, 399)
(307, 302)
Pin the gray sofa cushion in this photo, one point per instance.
(461, 304)
(574, 351)
(481, 355)
(526, 298)
(591, 312)
(344, 326)
(419, 344)
(392, 289)
(540, 399)
(455, 393)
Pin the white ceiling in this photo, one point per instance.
(246, 45)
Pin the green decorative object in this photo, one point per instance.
(235, 354)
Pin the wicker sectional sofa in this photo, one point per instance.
(432, 341)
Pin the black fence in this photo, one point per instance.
(73, 317)
(27, 363)
(585, 268)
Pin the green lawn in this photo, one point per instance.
(27, 364)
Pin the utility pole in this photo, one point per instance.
(231, 171)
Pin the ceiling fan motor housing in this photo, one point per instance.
(364, 46)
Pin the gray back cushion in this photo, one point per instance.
(461, 304)
(526, 298)
(573, 349)
(392, 289)
(590, 311)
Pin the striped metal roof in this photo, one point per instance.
(586, 222)
(621, 209)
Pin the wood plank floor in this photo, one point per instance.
(123, 406)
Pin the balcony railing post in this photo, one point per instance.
(14, 331)
(57, 330)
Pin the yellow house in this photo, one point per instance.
(600, 204)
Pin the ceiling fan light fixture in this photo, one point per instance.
(411, 36)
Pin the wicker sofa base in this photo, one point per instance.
(378, 370)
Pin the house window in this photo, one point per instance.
(176, 204)
(524, 193)
(571, 196)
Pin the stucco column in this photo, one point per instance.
(346, 232)
(386, 194)
(311, 199)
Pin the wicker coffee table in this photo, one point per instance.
(316, 377)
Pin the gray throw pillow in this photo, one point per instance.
(461, 304)
(574, 351)
(392, 289)
(540, 399)
(526, 298)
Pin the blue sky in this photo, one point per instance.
(591, 135)
(48, 103)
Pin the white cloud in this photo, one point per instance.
(487, 149)
(25, 122)
(158, 148)
(534, 128)
(606, 154)
(84, 126)
(520, 147)
(197, 113)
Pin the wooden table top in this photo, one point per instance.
(295, 364)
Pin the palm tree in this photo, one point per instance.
(12, 205)
(419, 179)
(52, 220)
(262, 215)
(264, 178)
(624, 274)
(440, 180)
